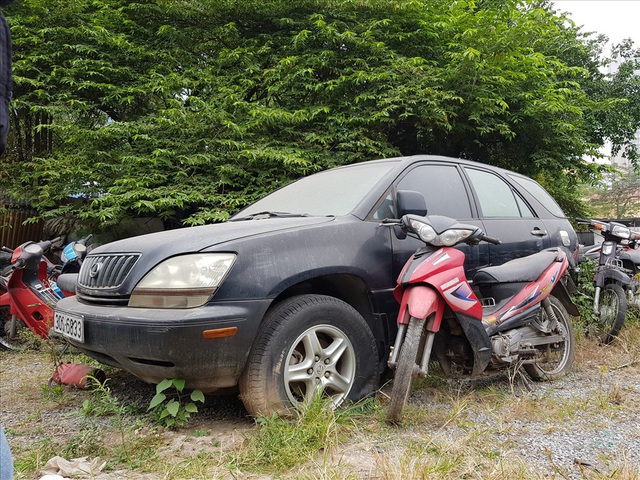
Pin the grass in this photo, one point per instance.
(454, 429)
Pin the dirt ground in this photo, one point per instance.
(581, 431)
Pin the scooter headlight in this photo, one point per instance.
(448, 238)
(620, 231)
(425, 231)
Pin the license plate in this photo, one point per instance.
(71, 326)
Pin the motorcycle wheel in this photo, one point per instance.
(404, 370)
(557, 359)
(613, 309)
(306, 345)
(6, 342)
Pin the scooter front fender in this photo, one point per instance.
(421, 301)
(607, 275)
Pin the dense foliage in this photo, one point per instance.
(189, 110)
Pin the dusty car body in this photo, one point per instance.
(299, 290)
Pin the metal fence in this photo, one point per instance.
(13, 229)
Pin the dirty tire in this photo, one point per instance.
(558, 358)
(613, 309)
(307, 342)
(6, 342)
(404, 370)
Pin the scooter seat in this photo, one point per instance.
(525, 269)
(631, 255)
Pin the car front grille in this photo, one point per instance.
(106, 271)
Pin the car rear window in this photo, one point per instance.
(332, 192)
(540, 194)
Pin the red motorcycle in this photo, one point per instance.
(30, 291)
(515, 314)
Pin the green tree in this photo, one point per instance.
(617, 197)
(191, 110)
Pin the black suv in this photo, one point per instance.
(295, 291)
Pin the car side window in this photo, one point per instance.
(443, 189)
(496, 197)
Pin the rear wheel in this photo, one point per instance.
(306, 345)
(556, 359)
(407, 360)
(613, 309)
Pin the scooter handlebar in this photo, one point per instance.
(390, 221)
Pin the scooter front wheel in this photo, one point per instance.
(9, 339)
(613, 309)
(404, 372)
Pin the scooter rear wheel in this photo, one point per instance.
(404, 372)
(556, 360)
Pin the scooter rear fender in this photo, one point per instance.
(421, 301)
(562, 294)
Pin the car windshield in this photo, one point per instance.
(332, 192)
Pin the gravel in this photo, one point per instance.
(583, 426)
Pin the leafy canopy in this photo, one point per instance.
(190, 110)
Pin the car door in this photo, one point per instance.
(446, 193)
(506, 216)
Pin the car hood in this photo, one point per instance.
(195, 239)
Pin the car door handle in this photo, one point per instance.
(539, 233)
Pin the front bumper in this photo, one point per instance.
(154, 344)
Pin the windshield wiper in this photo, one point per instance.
(267, 214)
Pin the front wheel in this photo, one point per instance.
(9, 328)
(306, 345)
(555, 360)
(407, 360)
(613, 309)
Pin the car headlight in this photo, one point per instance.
(185, 281)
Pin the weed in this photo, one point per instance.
(54, 393)
(88, 441)
(202, 432)
(140, 452)
(34, 457)
(279, 443)
(170, 408)
(103, 403)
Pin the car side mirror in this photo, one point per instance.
(410, 202)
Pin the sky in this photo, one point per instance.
(617, 19)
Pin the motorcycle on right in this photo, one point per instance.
(615, 280)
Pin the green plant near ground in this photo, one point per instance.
(103, 403)
(34, 458)
(586, 292)
(54, 393)
(280, 443)
(172, 408)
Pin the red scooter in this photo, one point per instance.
(515, 314)
(29, 290)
